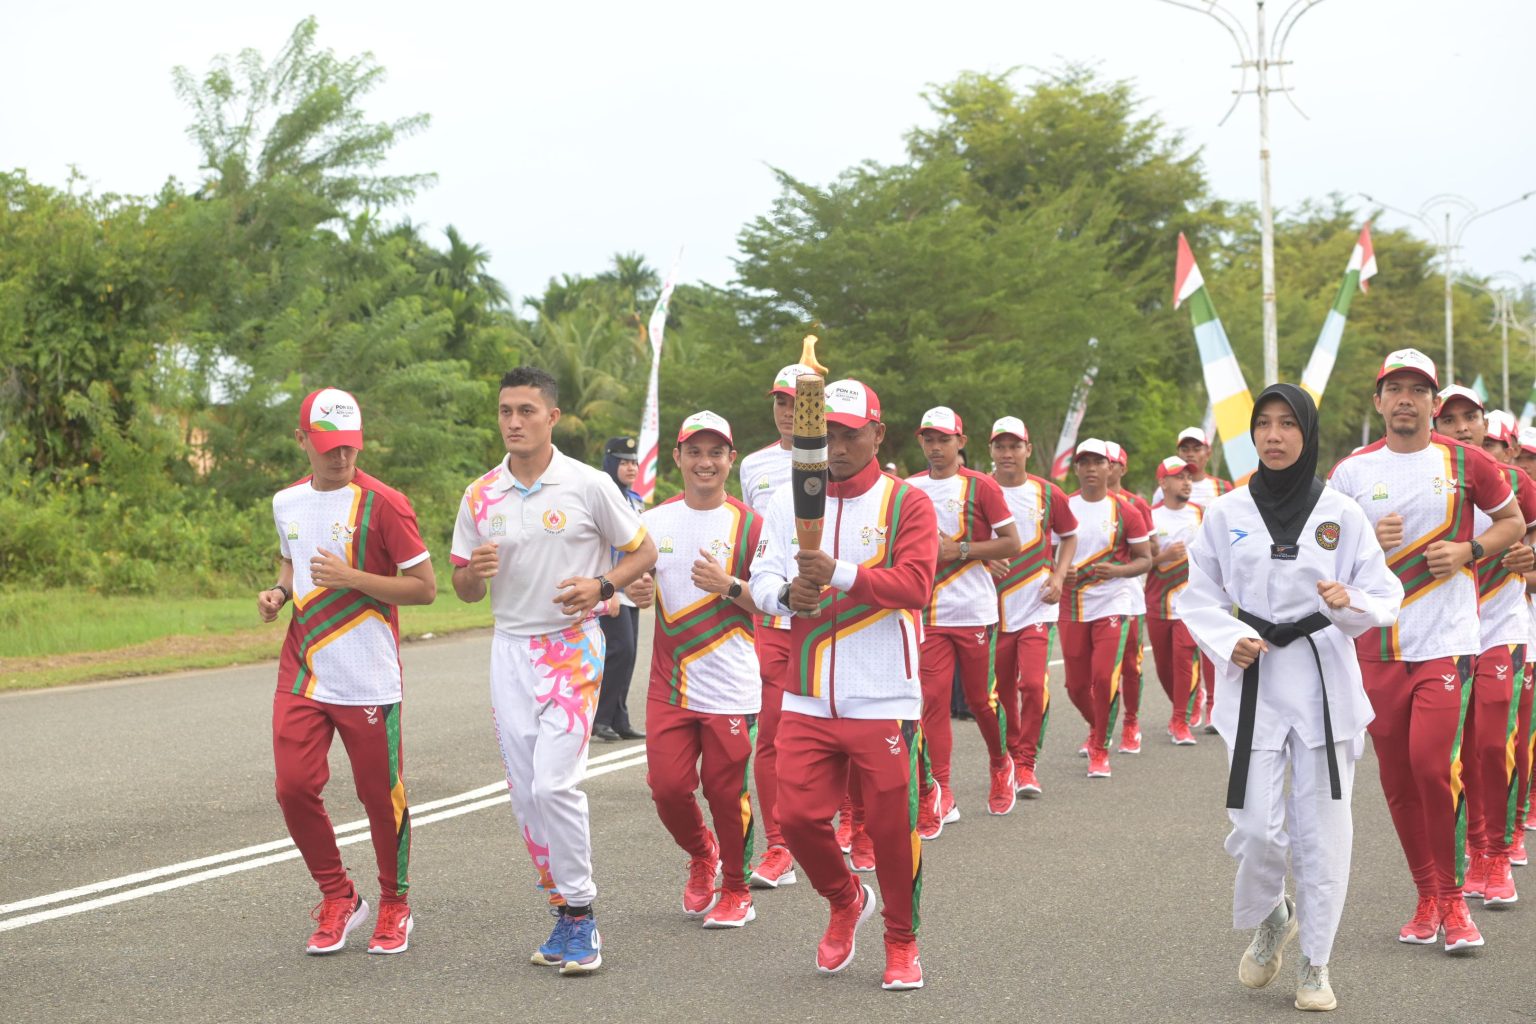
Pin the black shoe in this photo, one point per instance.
(628, 733)
(604, 732)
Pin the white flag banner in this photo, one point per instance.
(650, 420)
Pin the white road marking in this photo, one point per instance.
(275, 852)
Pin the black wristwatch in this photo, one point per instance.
(1477, 550)
(604, 587)
(734, 590)
(784, 596)
(287, 594)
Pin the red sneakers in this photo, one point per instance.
(1425, 926)
(861, 855)
(836, 949)
(392, 931)
(1026, 783)
(337, 918)
(1517, 854)
(951, 810)
(699, 893)
(1001, 796)
(1180, 734)
(1476, 876)
(1130, 737)
(845, 827)
(930, 817)
(775, 869)
(1098, 764)
(1498, 882)
(733, 909)
(1198, 716)
(902, 971)
(1460, 932)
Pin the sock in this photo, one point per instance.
(571, 911)
(1279, 915)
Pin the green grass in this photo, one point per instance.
(52, 637)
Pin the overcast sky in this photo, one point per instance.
(564, 132)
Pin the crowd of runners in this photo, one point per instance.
(806, 694)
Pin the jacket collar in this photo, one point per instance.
(857, 484)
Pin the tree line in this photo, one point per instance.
(154, 349)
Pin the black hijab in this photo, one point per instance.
(1286, 497)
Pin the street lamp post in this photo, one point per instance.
(1447, 240)
(1260, 53)
(1503, 315)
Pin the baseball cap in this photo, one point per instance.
(784, 380)
(1173, 465)
(1010, 425)
(622, 448)
(332, 418)
(1410, 359)
(1457, 391)
(852, 404)
(1192, 434)
(1502, 427)
(1092, 446)
(1528, 439)
(943, 419)
(700, 422)
(1116, 453)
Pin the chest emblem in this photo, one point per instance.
(342, 533)
(1238, 535)
(872, 534)
(292, 530)
(1327, 535)
(498, 526)
(1379, 492)
(554, 521)
(1443, 484)
(720, 548)
(665, 547)
(953, 506)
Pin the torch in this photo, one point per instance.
(808, 458)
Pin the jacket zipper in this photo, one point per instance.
(837, 531)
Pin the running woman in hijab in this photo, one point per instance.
(1302, 565)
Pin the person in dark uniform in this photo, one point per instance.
(621, 461)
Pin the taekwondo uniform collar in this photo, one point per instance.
(857, 484)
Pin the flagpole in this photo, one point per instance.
(650, 419)
(1061, 461)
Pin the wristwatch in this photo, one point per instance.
(965, 551)
(287, 594)
(734, 590)
(604, 587)
(784, 596)
(1477, 550)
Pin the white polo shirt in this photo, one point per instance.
(563, 526)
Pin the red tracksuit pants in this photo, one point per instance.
(1023, 689)
(817, 758)
(773, 665)
(1130, 685)
(302, 730)
(1491, 742)
(972, 649)
(1095, 655)
(684, 749)
(1417, 734)
(1178, 664)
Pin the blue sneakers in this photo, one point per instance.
(584, 946)
(552, 953)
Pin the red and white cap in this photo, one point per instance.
(784, 380)
(1010, 425)
(1196, 434)
(1413, 360)
(852, 404)
(1502, 427)
(332, 418)
(701, 422)
(943, 419)
(1453, 391)
(1173, 465)
(1116, 453)
(1092, 446)
(1528, 439)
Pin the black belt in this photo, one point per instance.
(1279, 634)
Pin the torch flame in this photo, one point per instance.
(808, 355)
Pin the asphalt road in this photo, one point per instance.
(1101, 901)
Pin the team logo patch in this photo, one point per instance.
(1238, 535)
(498, 526)
(342, 533)
(1450, 681)
(293, 531)
(554, 521)
(735, 726)
(894, 742)
(373, 715)
(870, 534)
(665, 547)
(1327, 535)
(720, 548)
(1379, 492)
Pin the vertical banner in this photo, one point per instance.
(1360, 269)
(650, 420)
(1224, 381)
(1061, 462)
(1529, 412)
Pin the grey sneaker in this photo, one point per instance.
(1312, 989)
(1264, 955)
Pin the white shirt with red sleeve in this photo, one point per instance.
(342, 646)
(1106, 529)
(1040, 509)
(765, 473)
(1503, 609)
(970, 507)
(563, 526)
(1436, 491)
